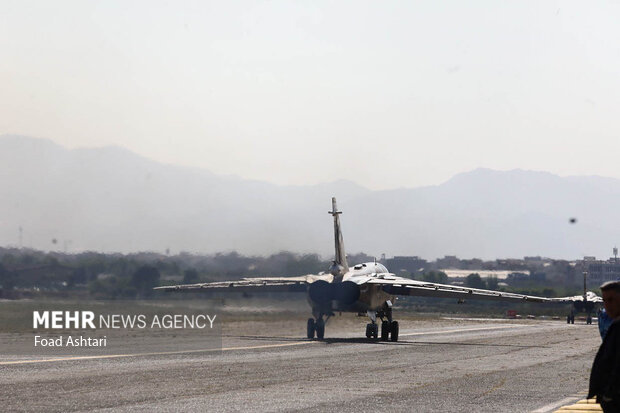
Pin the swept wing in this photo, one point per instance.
(390, 283)
(262, 284)
(395, 285)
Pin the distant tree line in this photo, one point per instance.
(25, 272)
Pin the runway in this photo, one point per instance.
(437, 365)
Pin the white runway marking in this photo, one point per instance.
(461, 330)
(163, 353)
(551, 406)
(297, 343)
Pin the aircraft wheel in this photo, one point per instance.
(372, 330)
(311, 328)
(385, 330)
(394, 330)
(375, 330)
(320, 329)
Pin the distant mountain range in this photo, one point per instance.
(110, 199)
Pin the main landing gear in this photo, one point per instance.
(570, 319)
(316, 327)
(389, 327)
(372, 330)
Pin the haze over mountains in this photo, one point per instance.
(109, 199)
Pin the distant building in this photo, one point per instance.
(599, 271)
(448, 261)
(462, 274)
(411, 264)
(510, 264)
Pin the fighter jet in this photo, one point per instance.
(588, 303)
(364, 288)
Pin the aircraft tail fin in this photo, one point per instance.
(340, 257)
(585, 289)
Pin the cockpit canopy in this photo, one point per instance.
(369, 268)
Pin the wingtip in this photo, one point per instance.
(166, 288)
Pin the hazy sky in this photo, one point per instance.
(386, 94)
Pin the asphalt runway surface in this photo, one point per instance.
(437, 365)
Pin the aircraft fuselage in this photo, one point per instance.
(352, 293)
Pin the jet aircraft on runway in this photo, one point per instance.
(364, 288)
(585, 303)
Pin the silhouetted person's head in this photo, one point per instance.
(611, 298)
